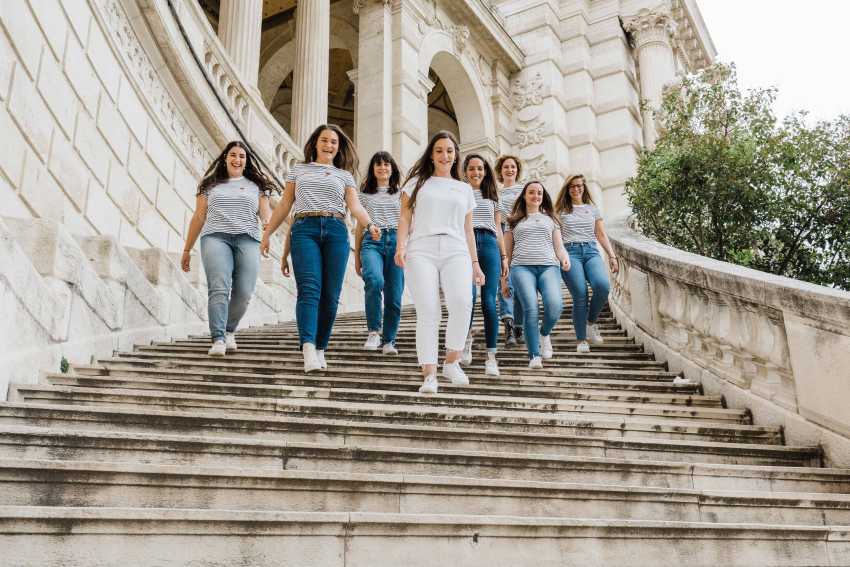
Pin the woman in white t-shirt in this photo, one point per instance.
(436, 247)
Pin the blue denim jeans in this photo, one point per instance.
(508, 307)
(231, 262)
(586, 266)
(381, 277)
(490, 261)
(319, 257)
(528, 281)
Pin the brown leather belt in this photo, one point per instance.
(299, 216)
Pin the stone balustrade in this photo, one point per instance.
(778, 346)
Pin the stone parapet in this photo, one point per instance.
(778, 346)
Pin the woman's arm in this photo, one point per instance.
(358, 242)
(602, 237)
(264, 211)
(199, 217)
(477, 273)
(280, 213)
(500, 240)
(284, 259)
(509, 251)
(560, 251)
(359, 213)
(403, 230)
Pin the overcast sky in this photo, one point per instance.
(803, 48)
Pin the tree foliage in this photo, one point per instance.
(729, 181)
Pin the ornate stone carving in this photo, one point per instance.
(228, 86)
(358, 5)
(528, 93)
(536, 168)
(651, 26)
(460, 35)
(530, 134)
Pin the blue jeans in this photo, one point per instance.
(319, 257)
(586, 266)
(231, 262)
(382, 277)
(528, 280)
(508, 308)
(490, 261)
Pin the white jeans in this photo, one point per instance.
(435, 262)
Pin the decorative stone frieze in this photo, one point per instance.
(528, 92)
(530, 133)
(460, 35)
(536, 168)
(357, 5)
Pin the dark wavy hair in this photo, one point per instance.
(217, 171)
(501, 161)
(564, 204)
(423, 169)
(346, 156)
(370, 184)
(488, 184)
(520, 211)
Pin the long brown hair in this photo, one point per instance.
(346, 156)
(564, 204)
(501, 161)
(217, 171)
(370, 184)
(520, 211)
(423, 169)
(488, 184)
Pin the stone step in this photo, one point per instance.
(790, 469)
(413, 409)
(111, 485)
(685, 445)
(614, 390)
(132, 536)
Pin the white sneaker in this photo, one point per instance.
(594, 334)
(320, 356)
(429, 386)
(230, 342)
(455, 374)
(491, 367)
(583, 347)
(311, 359)
(466, 357)
(546, 347)
(373, 341)
(389, 349)
(682, 381)
(535, 363)
(218, 348)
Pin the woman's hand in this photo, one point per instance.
(284, 267)
(264, 245)
(565, 264)
(477, 274)
(185, 260)
(506, 290)
(614, 264)
(400, 254)
(375, 231)
(358, 268)
(504, 272)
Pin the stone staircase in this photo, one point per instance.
(164, 456)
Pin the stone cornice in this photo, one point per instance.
(487, 28)
(357, 5)
(693, 39)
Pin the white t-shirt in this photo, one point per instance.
(442, 204)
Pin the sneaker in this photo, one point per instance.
(682, 381)
(320, 356)
(510, 339)
(311, 359)
(389, 349)
(466, 357)
(535, 363)
(491, 367)
(230, 342)
(546, 347)
(429, 385)
(455, 374)
(595, 335)
(218, 348)
(520, 340)
(373, 341)
(583, 347)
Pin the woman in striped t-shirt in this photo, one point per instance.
(232, 194)
(374, 259)
(581, 229)
(508, 172)
(320, 190)
(487, 225)
(533, 243)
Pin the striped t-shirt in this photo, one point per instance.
(507, 198)
(319, 187)
(580, 225)
(484, 213)
(533, 245)
(384, 209)
(232, 208)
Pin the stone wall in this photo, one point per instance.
(778, 346)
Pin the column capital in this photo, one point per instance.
(651, 26)
(426, 85)
(358, 5)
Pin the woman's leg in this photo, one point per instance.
(491, 265)
(423, 279)
(597, 276)
(372, 267)
(549, 284)
(246, 266)
(217, 257)
(525, 294)
(335, 251)
(393, 289)
(455, 275)
(307, 267)
(574, 279)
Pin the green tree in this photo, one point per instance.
(729, 181)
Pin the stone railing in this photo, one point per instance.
(778, 346)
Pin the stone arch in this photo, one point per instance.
(461, 80)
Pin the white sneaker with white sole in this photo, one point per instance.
(320, 356)
(373, 341)
(682, 381)
(466, 357)
(546, 347)
(230, 342)
(311, 359)
(218, 348)
(429, 385)
(594, 334)
(535, 363)
(491, 367)
(389, 349)
(583, 347)
(455, 373)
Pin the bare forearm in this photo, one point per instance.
(195, 226)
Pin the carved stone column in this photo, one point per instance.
(239, 28)
(653, 33)
(310, 81)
